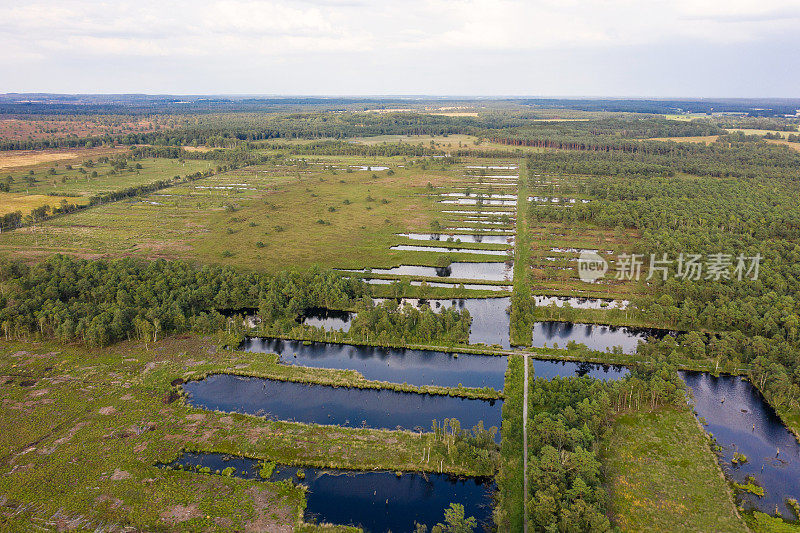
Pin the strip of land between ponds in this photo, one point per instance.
(356, 381)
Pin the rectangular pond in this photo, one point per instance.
(595, 337)
(490, 239)
(442, 249)
(420, 367)
(496, 196)
(581, 303)
(488, 271)
(484, 231)
(742, 421)
(473, 201)
(310, 403)
(396, 365)
(470, 286)
(328, 319)
(493, 167)
(510, 212)
(375, 501)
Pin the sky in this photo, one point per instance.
(622, 48)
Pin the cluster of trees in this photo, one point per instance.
(656, 159)
(757, 123)
(101, 302)
(605, 134)
(567, 419)
(233, 158)
(389, 322)
(329, 147)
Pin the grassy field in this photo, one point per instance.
(43, 187)
(84, 429)
(267, 218)
(73, 183)
(664, 477)
(25, 203)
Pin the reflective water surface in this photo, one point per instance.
(397, 365)
(375, 501)
(742, 421)
(595, 337)
(344, 406)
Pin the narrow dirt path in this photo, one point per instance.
(525, 449)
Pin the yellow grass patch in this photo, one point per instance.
(29, 158)
(706, 139)
(457, 114)
(10, 202)
(749, 131)
(197, 148)
(793, 146)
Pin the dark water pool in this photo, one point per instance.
(397, 365)
(329, 319)
(343, 406)
(742, 421)
(420, 367)
(595, 337)
(376, 501)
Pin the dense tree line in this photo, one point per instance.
(757, 123)
(758, 321)
(101, 302)
(230, 129)
(349, 148)
(567, 418)
(753, 160)
(614, 133)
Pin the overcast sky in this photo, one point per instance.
(715, 48)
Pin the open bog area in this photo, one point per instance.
(411, 314)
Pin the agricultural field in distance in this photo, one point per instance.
(19, 129)
(50, 183)
(445, 142)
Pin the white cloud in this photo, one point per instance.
(277, 27)
(348, 41)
